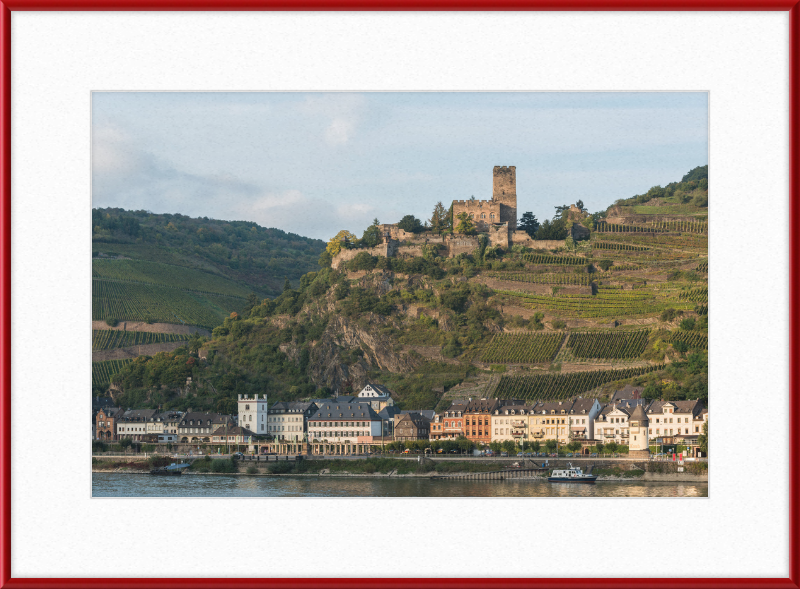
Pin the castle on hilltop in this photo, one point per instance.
(496, 217)
(501, 209)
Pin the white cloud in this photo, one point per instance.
(338, 132)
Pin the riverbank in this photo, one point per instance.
(648, 477)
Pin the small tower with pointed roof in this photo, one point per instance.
(638, 440)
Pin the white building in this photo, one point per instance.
(253, 413)
(611, 424)
(289, 420)
(339, 423)
(581, 418)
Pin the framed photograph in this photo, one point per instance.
(377, 293)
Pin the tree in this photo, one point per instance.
(252, 301)
(438, 218)
(465, 224)
(561, 212)
(550, 445)
(529, 224)
(552, 230)
(611, 447)
(339, 241)
(535, 446)
(582, 208)
(195, 342)
(599, 447)
(371, 236)
(702, 440)
(680, 347)
(287, 285)
(410, 224)
(509, 445)
(574, 446)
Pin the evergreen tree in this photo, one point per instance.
(529, 224)
(438, 218)
(287, 285)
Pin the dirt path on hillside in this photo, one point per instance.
(134, 351)
(152, 327)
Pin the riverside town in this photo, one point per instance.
(505, 330)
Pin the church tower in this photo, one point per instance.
(638, 439)
(505, 193)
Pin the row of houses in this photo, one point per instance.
(355, 423)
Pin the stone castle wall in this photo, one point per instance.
(482, 212)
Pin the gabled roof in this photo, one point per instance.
(692, 406)
(203, 417)
(428, 414)
(290, 407)
(582, 406)
(378, 388)
(415, 418)
(517, 409)
(132, 415)
(482, 406)
(334, 410)
(549, 406)
(111, 412)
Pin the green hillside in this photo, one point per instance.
(250, 257)
(629, 305)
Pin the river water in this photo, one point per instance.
(136, 485)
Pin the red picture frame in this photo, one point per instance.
(6, 6)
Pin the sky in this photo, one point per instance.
(316, 163)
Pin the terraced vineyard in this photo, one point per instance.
(693, 339)
(604, 304)
(522, 348)
(656, 227)
(554, 386)
(696, 295)
(167, 275)
(531, 278)
(108, 339)
(703, 267)
(130, 301)
(103, 371)
(608, 245)
(614, 345)
(564, 260)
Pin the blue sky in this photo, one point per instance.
(315, 163)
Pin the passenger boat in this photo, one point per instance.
(571, 475)
(171, 470)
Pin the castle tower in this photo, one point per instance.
(505, 193)
(638, 439)
(253, 411)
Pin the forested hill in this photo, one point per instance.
(258, 258)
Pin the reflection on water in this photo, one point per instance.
(124, 485)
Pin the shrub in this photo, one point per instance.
(223, 465)
(605, 264)
(112, 322)
(280, 467)
(252, 470)
(558, 324)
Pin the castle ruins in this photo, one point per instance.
(496, 217)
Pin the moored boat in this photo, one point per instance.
(571, 475)
(171, 470)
